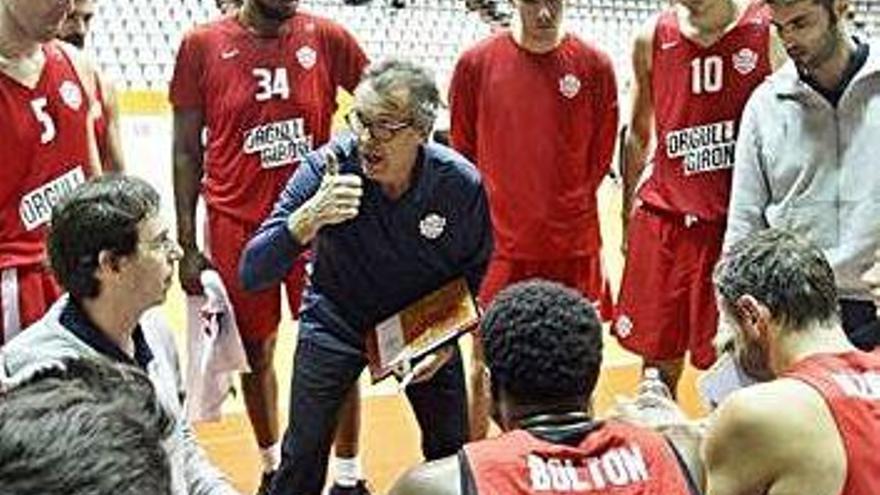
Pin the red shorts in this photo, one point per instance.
(585, 274)
(667, 301)
(26, 292)
(256, 313)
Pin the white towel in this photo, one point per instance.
(214, 348)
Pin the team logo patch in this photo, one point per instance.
(71, 95)
(432, 226)
(623, 326)
(569, 86)
(307, 56)
(745, 61)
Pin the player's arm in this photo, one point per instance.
(641, 120)
(608, 111)
(440, 477)
(188, 98)
(187, 174)
(687, 438)
(86, 71)
(749, 192)
(463, 110)
(115, 154)
(750, 444)
(348, 59)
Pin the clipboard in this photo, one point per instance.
(420, 328)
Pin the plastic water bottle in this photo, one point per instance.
(655, 402)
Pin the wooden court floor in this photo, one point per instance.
(389, 435)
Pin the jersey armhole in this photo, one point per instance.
(693, 489)
(468, 483)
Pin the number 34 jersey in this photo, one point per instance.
(699, 94)
(267, 101)
(44, 153)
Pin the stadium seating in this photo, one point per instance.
(135, 41)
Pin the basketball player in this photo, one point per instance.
(543, 347)
(695, 66)
(262, 82)
(814, 427)
(107, 135)
(535, 108)
(47, 143)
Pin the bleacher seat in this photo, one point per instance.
(137, 39)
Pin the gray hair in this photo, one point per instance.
(784, 272)
(423, 101)
(84, 427)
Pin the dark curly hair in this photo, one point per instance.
(543, 343)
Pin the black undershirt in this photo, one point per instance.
(856, 62)
(74, 319)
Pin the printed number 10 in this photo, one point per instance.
(707, 74)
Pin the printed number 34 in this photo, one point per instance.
(272, 83)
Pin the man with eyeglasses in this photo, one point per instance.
(262, 82)
(114, 255)
(390, 217)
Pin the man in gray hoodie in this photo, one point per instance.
(113, 254)
(806, 155)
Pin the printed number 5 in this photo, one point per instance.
(272, 83)
(39, 107)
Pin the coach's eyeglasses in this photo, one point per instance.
(379, 130)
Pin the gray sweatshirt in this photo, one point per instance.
(808, 167)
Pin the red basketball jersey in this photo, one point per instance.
(541, 128)
(699, 94)
(617, 458)
(850, 385)
(45, 153)
(267, 101)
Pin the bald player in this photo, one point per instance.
(543, 346)
(813, 426)
(695, 66)
(47, 143)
